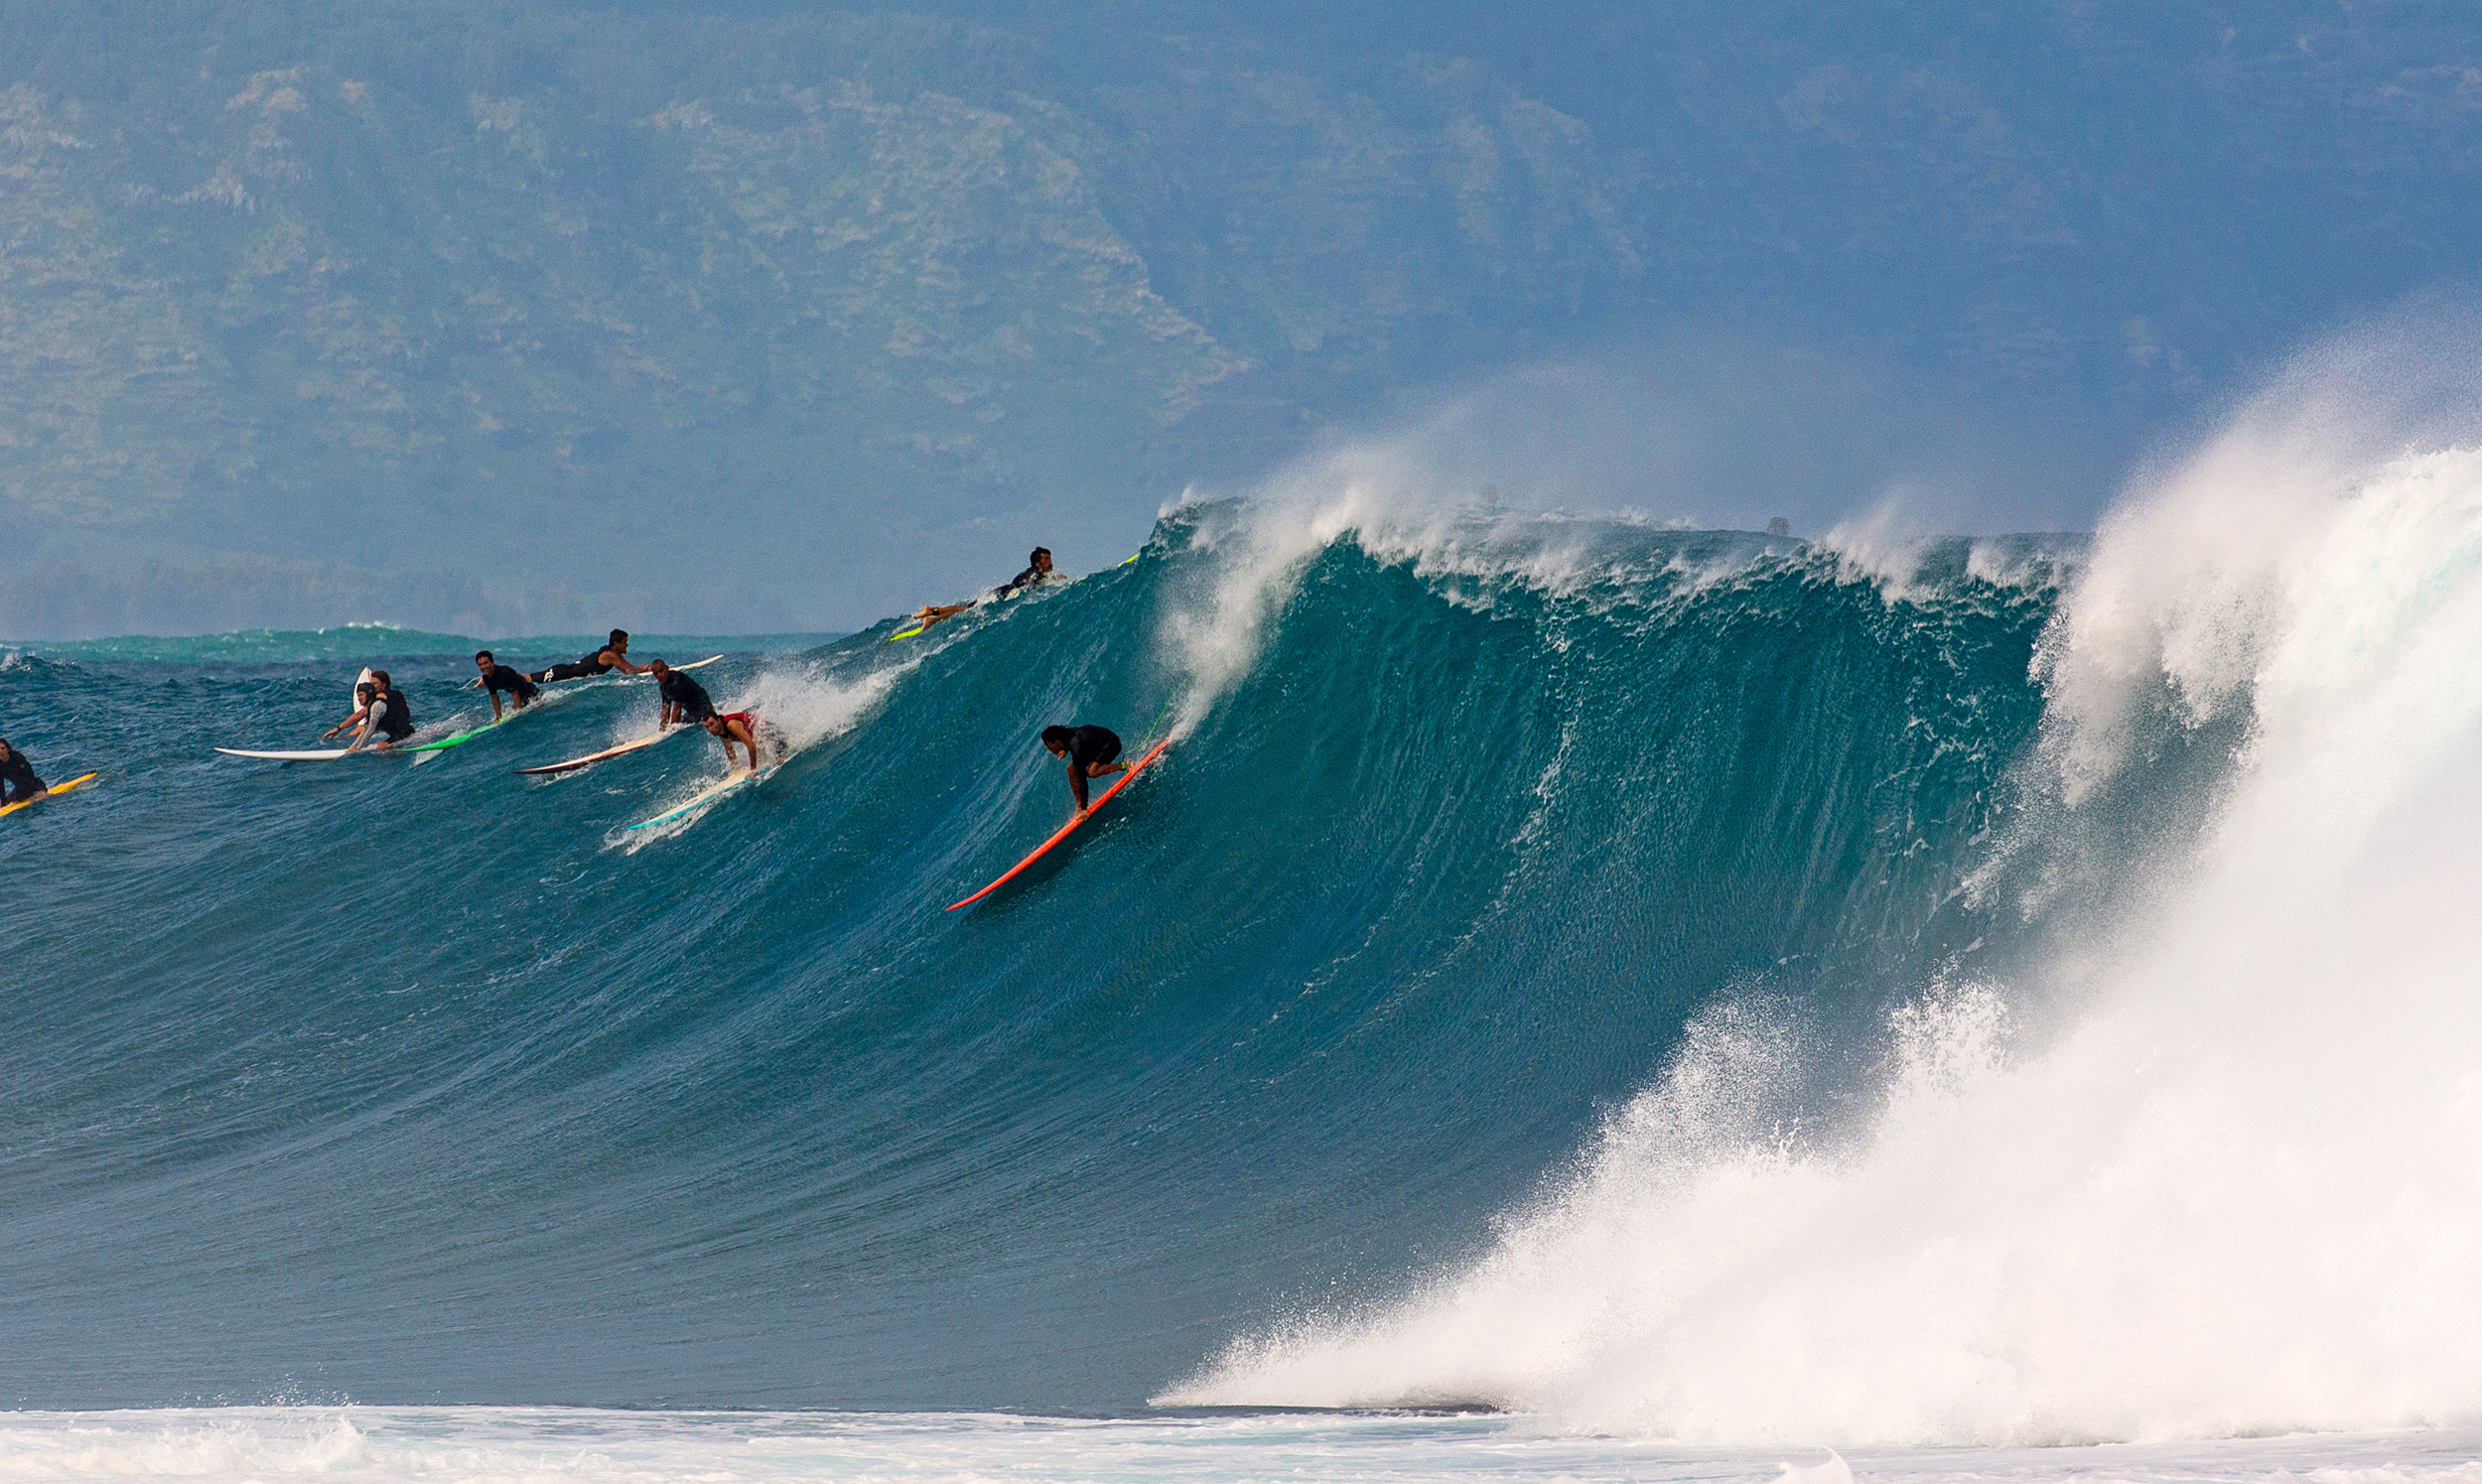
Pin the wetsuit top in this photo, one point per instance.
(594, 663)
(396, 717)
(1031, 577)
(1088, 745)
(688, 695)
(501, 678)
(18, 782)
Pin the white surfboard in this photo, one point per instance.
(708, 795)
(591, 758)
(323, 754)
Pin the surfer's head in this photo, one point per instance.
(1056, 739)
(380, 679)
(1040, 559)
(482, 659)
(620, 638)
(659, 667)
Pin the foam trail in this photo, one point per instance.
(2234, 1193)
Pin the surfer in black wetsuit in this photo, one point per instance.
(382, 709)
(682, 699)
(18, 782)
(1090, 752)
(497, 677)
(614, 655)
(1037, 571)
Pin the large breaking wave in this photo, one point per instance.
(1678, 982)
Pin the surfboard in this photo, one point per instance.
(727, 786)
(317, 754)
(1063, 833)
(591, 758)
(466, 736)
(81, 781)
(908, 633)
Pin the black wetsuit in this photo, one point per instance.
(1088, 745)
(396, 717)
(18, 782)
(687, 694)
(1031, 577)
(588, 664)
(501, 678)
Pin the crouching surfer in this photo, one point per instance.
(680, 698)
(18, 782)
(1091, 752)
(381, 709)
(685, 700)
(497, 677)
(738, 727)
(614, 655)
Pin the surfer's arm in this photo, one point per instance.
(1077, 783)
(494, 694)
(358, 714)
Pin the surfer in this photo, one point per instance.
(614, 655)
(682, 699)
(735, 727)
(1090, 752)
(18, 782)
(1037, 571)
(362, 705)
(497, 677)
(381, 709)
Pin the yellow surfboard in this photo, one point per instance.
(57, 788)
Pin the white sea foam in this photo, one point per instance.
(529, 1445)
(797, 709)
(2233, 1185)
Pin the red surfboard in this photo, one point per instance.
(1044, 849)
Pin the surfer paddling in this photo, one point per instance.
(1037, 571)
(380, 707)
(497, 677)
(18, 782)
(614, 655)
(1090, 752)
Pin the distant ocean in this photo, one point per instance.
(1576, 1001)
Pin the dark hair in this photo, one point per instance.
(381, 676)
(619, 636)
(1052, 735)
(482, 654)
(1037, 555)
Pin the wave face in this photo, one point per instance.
(420, 1082)
(2199, 1153)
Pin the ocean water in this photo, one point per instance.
(1577, 1000)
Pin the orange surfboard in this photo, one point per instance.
(1044, 849)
